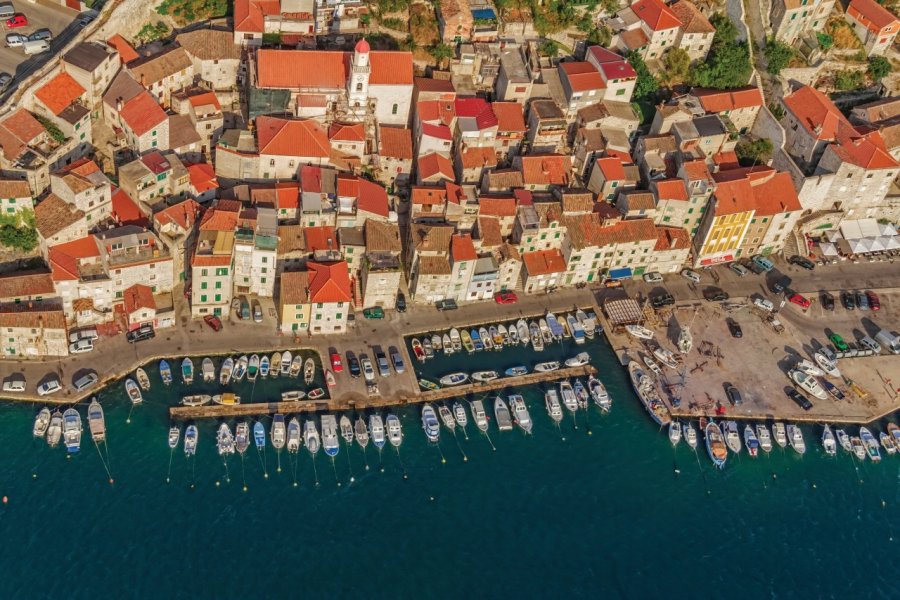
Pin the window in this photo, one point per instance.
(394, 109)
(203, 272)
(218, 297)
(620, 92)
(203, 298)
(218, 285)
(359, 88)
(272, 162)
(319, 305)
(203, 285)
(338, 316)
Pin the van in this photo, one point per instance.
(867, 342)
(763, 304)
(889, 340)
(763, 263)
(85, 381)
(7, 10)
(36, 47)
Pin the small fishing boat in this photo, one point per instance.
(895, 433)
(809, 368)
(843, 440)
(828, 442)
(455, 339)
(808, 384)
(54, 430)
(858, 448)
(275, 365)
(502, 415)
(546, 334)
(887, 442)
(224, 440)
(484, 376)
(264, 366)
(436, 343)
(418, 352)
(196, 400)
(187, 371)
(208, 370)
(459, 414)
(715, 445)
(316, 394)
(581, 394)
(639, 332)
(501, 337)
(376, 430)
(346, 429)
(523, 331)
(253, 367)
(685, 340)
(394, 430)
(516, 371)
(666, 357)
(674, 432)
(286, 361)
(556, 328)
(428, 386)
(134, 391)
(226, 399)
(454, 379)
(141, 375)
(868, 441)
(480, 416)
(521, 416)
(569, 399)
(751, 441)
(832, 389)
(579, 360)
(599, 393)
(689, 434)
(361, 432)
(242, 437)
(486, 340)
(309, 368)
(96, 421)
(165, 372)
(447, 344)
(795, 438)
(428, 348)
(226, 371)
(259, 435)
(587, 324)
(190, 440)
(780, 434)
(551, 403)
(512, 335)
(41, 423)
(466, 342)
(646, 389)
(537, 339)
(329, 379)
(546, 367)
(447, 417)
(240, 368)
(651, 364)
(576, 329)
(476, 340)
(430, 424)
(764, 437)
(292, 395)
(330, 440)
(174, 435)
(293, 436)
(278, 432)
(828, 366)
(732, 437)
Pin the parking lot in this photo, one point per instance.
(59, 19)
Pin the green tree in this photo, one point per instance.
(549, 48)
(678, 65)
(441, 53)
(825, 41)
(847, 80)
(18, 231)
(754, 152)
(778, 55)
(646, 85)
(151, 32)
(879, 67)
(188, 11)
(728, 64)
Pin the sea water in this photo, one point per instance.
(609, 509)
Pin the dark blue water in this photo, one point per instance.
(613, 513)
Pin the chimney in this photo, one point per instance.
(672, 241)
(119, 104)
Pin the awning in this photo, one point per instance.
(624, 273)
(623, 312)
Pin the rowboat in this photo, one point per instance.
(187, 371)
(569, 399)
(96, 421)
(546, 367)
(689, 434)
(294, 435)
(546, 335)
(666, 357)
(196, 400)
(330, 442)
(795, 438)
(576, 329)
(447, 344)
(501, 414)
(485, 337)
(308, 368)
(436, 343)
(329, 379)
(476, 340)
(418, 352)
(286, 361)
(479, 415)
(259, 435)
(599, 393)
(226, 371)
(428, 385)
(275, 365)
(71, 430)
(828, 441)
(208, 370)
(190, 440)
(827, 365)
(832, 389)
(887, 442)
(715, 445)
(732, 437)
(264, 366)
(454, 379)
(242, 437)
(54, 430)
(496, 338)
(427, 347)
(134, 391)
(780, 434)
(516, 371)
(456, 340)
(579, 360)
(651, 364)
(141, 375)
(523, 331)
(765, 439)
(751, 441)
(485, 376)
(430, 424)
(292, 395)
(394, 430)
(361, 432)
(226, 399)
(240, 368)
(639, 332)
(41, 423)
(645, 387)
(869, 442)
(278, 432)
(520, 413)
(556, 329)
(551, 403)
(808, 383)
(316, 394)
(165, 372)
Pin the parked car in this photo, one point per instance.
(5, 80)
(245, 308)
(14, 385)
(214, 322)
(51, 386)
(368, 371)
(734, 395)
(691, 275)
(653, 277)
(81, 346)
(735, 329)
(376, 312)
(827, 301)
(714, 294)
(352, 364)
(763, 304)
(401, 302)
(874, 302)
(838, 342)
(799, 398)
(144, 332)
(336, 365)
(443, 305)
(799, 300)
(763, 263)
(85, 381)
(738, 268)
(384, 369)
(781, 284)
(661, 300)
(17, 20)
(41, 34)
(257, 312)
(802, 262)
(848, 300)
(869, 343)
(397, 359)
(83, 334)
(506, 298)
(14, 40)
(862, 301)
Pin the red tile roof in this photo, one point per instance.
(22, 284)
(866, 151)
(372, 198)
(726, 159)
(434, 164)
(125, 211)
(510, 116)
(818, 115)
(436, 111)
(716, 101)
(58, 93)
(497, 207)
(137, 297)
(126, 51)
(655, 14)
(184, 214)
(462, 248)
(696, 170)
(441, 132)
(546, 169)
(427, 195)
(249, 15)
(208, 260)
(216, 219)
(205, 99)
(320, 238)
(612, 168)
(203, 177)
(582, 76)
(17, 131)
(64, 258)
(301, 138)
(477, 108)
(142, 113)
(347, 132)
(544, 262)
(671, 238)
(671, 189)
(626, 232)
(287, 195)
(324, 69)
(760, 189)
(871, 15)
(612, 65)
(478, 157)
(391, 68)
(427, 84)
(692, 20)
(329, 282)
(395, 142)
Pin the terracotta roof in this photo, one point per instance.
(441, 132)
(142, 113)
(347, 132)
(434, 265)
(300, 138)
(208, 260)
(489, 232)
(137, 297)
(692, 20)
(462, 248)
(504, 179)
(290, 240)
(126, 51)
(612, 65)
(478, 157)
(434, 164)
(64, 258)
(382, 237)
(671, 189)
(583, 230)
(33, 319)
(126, 211)
(818, 115)
(640, 200)
(203, 177)
(478, 109)
(879, 110)
(867, 151)
(324, 69)
(53, 214)
(217, 219)
(503, 206)
(440, 112)
(184, 214)
(322, 237)
(630, 231)
(249, 15)
(17, 131)
(14, 188)
(716, 101)
(427, 84)
(870, 14)
(20, 285)
(577, 201)
(58, 93)
(552, 169)
(431, 238)
(329, 282)
(428, 195)
(696, 170)
(582, 76)
(395, 142)
(205, 99)
(294, 288)
(210, 44)
(671, 238)
(776, 194)
(655, 14)
(634, 38)
(510, 116)
(612, 168)
(160, 66)
(391, 68)
(544, 262)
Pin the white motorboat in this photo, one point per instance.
(576, 329)
(639, 332)
(674, 432)
(297, 366)
(242, 437)
(479, 415)
(208, 370)
(523, 332)
(459, 414)
(666, 357)
(310, 436)
(346, 429)
(587, 323)
(309, 369)
(286, 360)
(264, 366)
(278, 432)
(645, 387)
(226, 370)
(293, 395)
(780, 434)
(376, 430)
(844, 440)
(545, 367)
(141, 375)
(685, 340)
(361, 432)
(546, 334)
(482, 376)
(501, 414)
(809, 368)
(54, 430)
(447, 344)
(520, 412)
(240, 368)
(447, 417)
(795, 438)
(190, 440)
(751, 441)
(394, 430)
(330, 442)
(41, 423)
(828, 366)
(134, 391)
(454, 379)
(765, 439)
(226, 399)
(537, 339)
(828, 442)
(430, 424)
(715, 444)
(858, 448)
(689, 434)
(569, 399)
(651, 364)
(294, 436)
(96, 421)
(224, 440)
(808, 384)
(887, 442)
(599, 393)
(174, 436)
(455, 340)
(579, 360)
(732, 437)
(551, 403)
(436, 344)
(196, 400)
(503, 334)
(870, 443)
(187, 371)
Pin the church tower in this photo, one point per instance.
(358, 84)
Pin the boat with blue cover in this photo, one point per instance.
(165, 372)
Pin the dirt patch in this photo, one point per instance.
(842, 33)
(423, 25)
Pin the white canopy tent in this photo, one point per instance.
(860, 236)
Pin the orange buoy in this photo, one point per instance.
(5, 500)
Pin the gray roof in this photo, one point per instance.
(710, 125)
(514, 66)
(87, 55)
(123, 88)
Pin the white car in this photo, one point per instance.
(80, 346)
(691, 275)
(653, 277)
(14, 385)
(762, 303)
(368, 370)
(84, 334)
(49, 387)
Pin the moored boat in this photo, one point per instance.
(446, 417)
(287, 360)
(576, 329)
(466, 340)
(581, 394)
(134, 391)
(551, 403)
(546, 334)
(240, 368)
(639, 332)
(394, 430)
(751, 441)
(715, 445)
(196, 400)
(455, 339)
(208, 370)
(579, 360)
(537, 340)
(242, 437)
(480, 416)
(689, 434)
(190, 440)
(857, 447)
(309, 370)
(556, 328)
(54, 430)
(315, 394)
(346, 428)
(292, 395)
(427, 347)
(297, 366)
(674, 432)
(501, 336)
(165, 372)
(226, 399)
(418, 351)
(795, 438)
(546, 367)
(732, 437)
(599, 393)
(427, 385)
(523, 331)
(259, 435)
(764, 437)
(330, 443)
(224, 440)
(226, 370)
(376, 430)
(486, 340)
(476, 340)
(843, 440)
(646, 389)
(516, 371)
(459, 414)
(329, 379)
(264, 366)
(96, 421)
(278, 432)
(895, 433)
(447, 344)
(436, 344)
(887, 442)
(452, 379)
(293, 436)
(430, 424)
(187, 371)
(484, 376)
(361, 432)
(780, 434)
(832, 389)
(275, 365)
(651, 364)
(502, 415)
(141, 375)
(512, 335)
(41, 423)
(520, 413)
(870, 444)
(828, 442)
(569, 399)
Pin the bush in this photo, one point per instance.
(188, 11)
(848, 80)
(549, 48)
(756, 152)
(18, 231)
(646, 86)
(54, 131)
(777, 110)
(728, 63)
(879, 67)
(393, 23)
(151, 32)
(678, 65)
(778, 55)
(825, 41)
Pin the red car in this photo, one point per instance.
(874, 302)
(214, 322)
(336, 364)
(800, 301)
(506, 298)
(18, 20)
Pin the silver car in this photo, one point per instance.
(14, 40)
(367, 369)
(691, 275)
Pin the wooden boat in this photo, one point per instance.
(858, 448)
(240, 368)
(264, 366)
(887, 442)
(275, 365)
(521, 416)
(569, 399)
(190, 440)
(96, 421)
(427, 385)
(751, 441)
(599, 393)
(484, 376)
(537, 339)
(226, 399)
(501, 338)
(486, 340)
(430, 424)
(651, 364)
(187, 371)
(523, 332)
(689, 434)
(516, 371)
(666, 357)
(639, 332)
(732, 437)
(546, 367)
(456, 339)
(447, 344)
(715, 445)
(41, 423)
(674, 433)
(278, 432)
(165, 372)
(394, 430)
(427, 347)
(476, 340)
(551, 403)
(330, 442)
(828, 366)
(361, 432)
(579, 360)
(871, 445)
(208, 370)
(253, 367)
(54, 430)
(293, 395)
(316, 394)
(546, 334)
(294, 436)
(795, 439)
(329, 379)
(577, 330)
(502, 415)
(224, 440)
(141, 375)
(71, 430)
(436, 344)
(134, 391)
(286, 361)
(418, 351)
(808, 383)
(309, 368)
(459, 413)
(828, 442)
(226, 371)
(196, 400)
(833, 390)
(765, 439)
(452, 379)
(479, 415)
(645, 387)
(346, 429)
(242, 437)
(780, 434)
(556, 328)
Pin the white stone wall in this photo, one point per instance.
(329, 317)
(27, 342)
(392, 103)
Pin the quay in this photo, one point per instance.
(267, 408)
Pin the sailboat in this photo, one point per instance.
(286, 359)
(226, 371)
(187, 371)
(141, 375)
(96, 421)
(208, 370)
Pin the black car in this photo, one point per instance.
(848, 300)
(715, 294)
(401, 302)
(827, 301)
(781, 284)
(41, 34)
(800, 261)
(735, 329)
(661, 300)
(446, 305)
(799, 398)
(353, 364)
(734, 395)
(144, 332)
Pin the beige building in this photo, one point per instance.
(293, 298)
(672, 250)
(15, 197)
(33, 333)
(792, 19)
